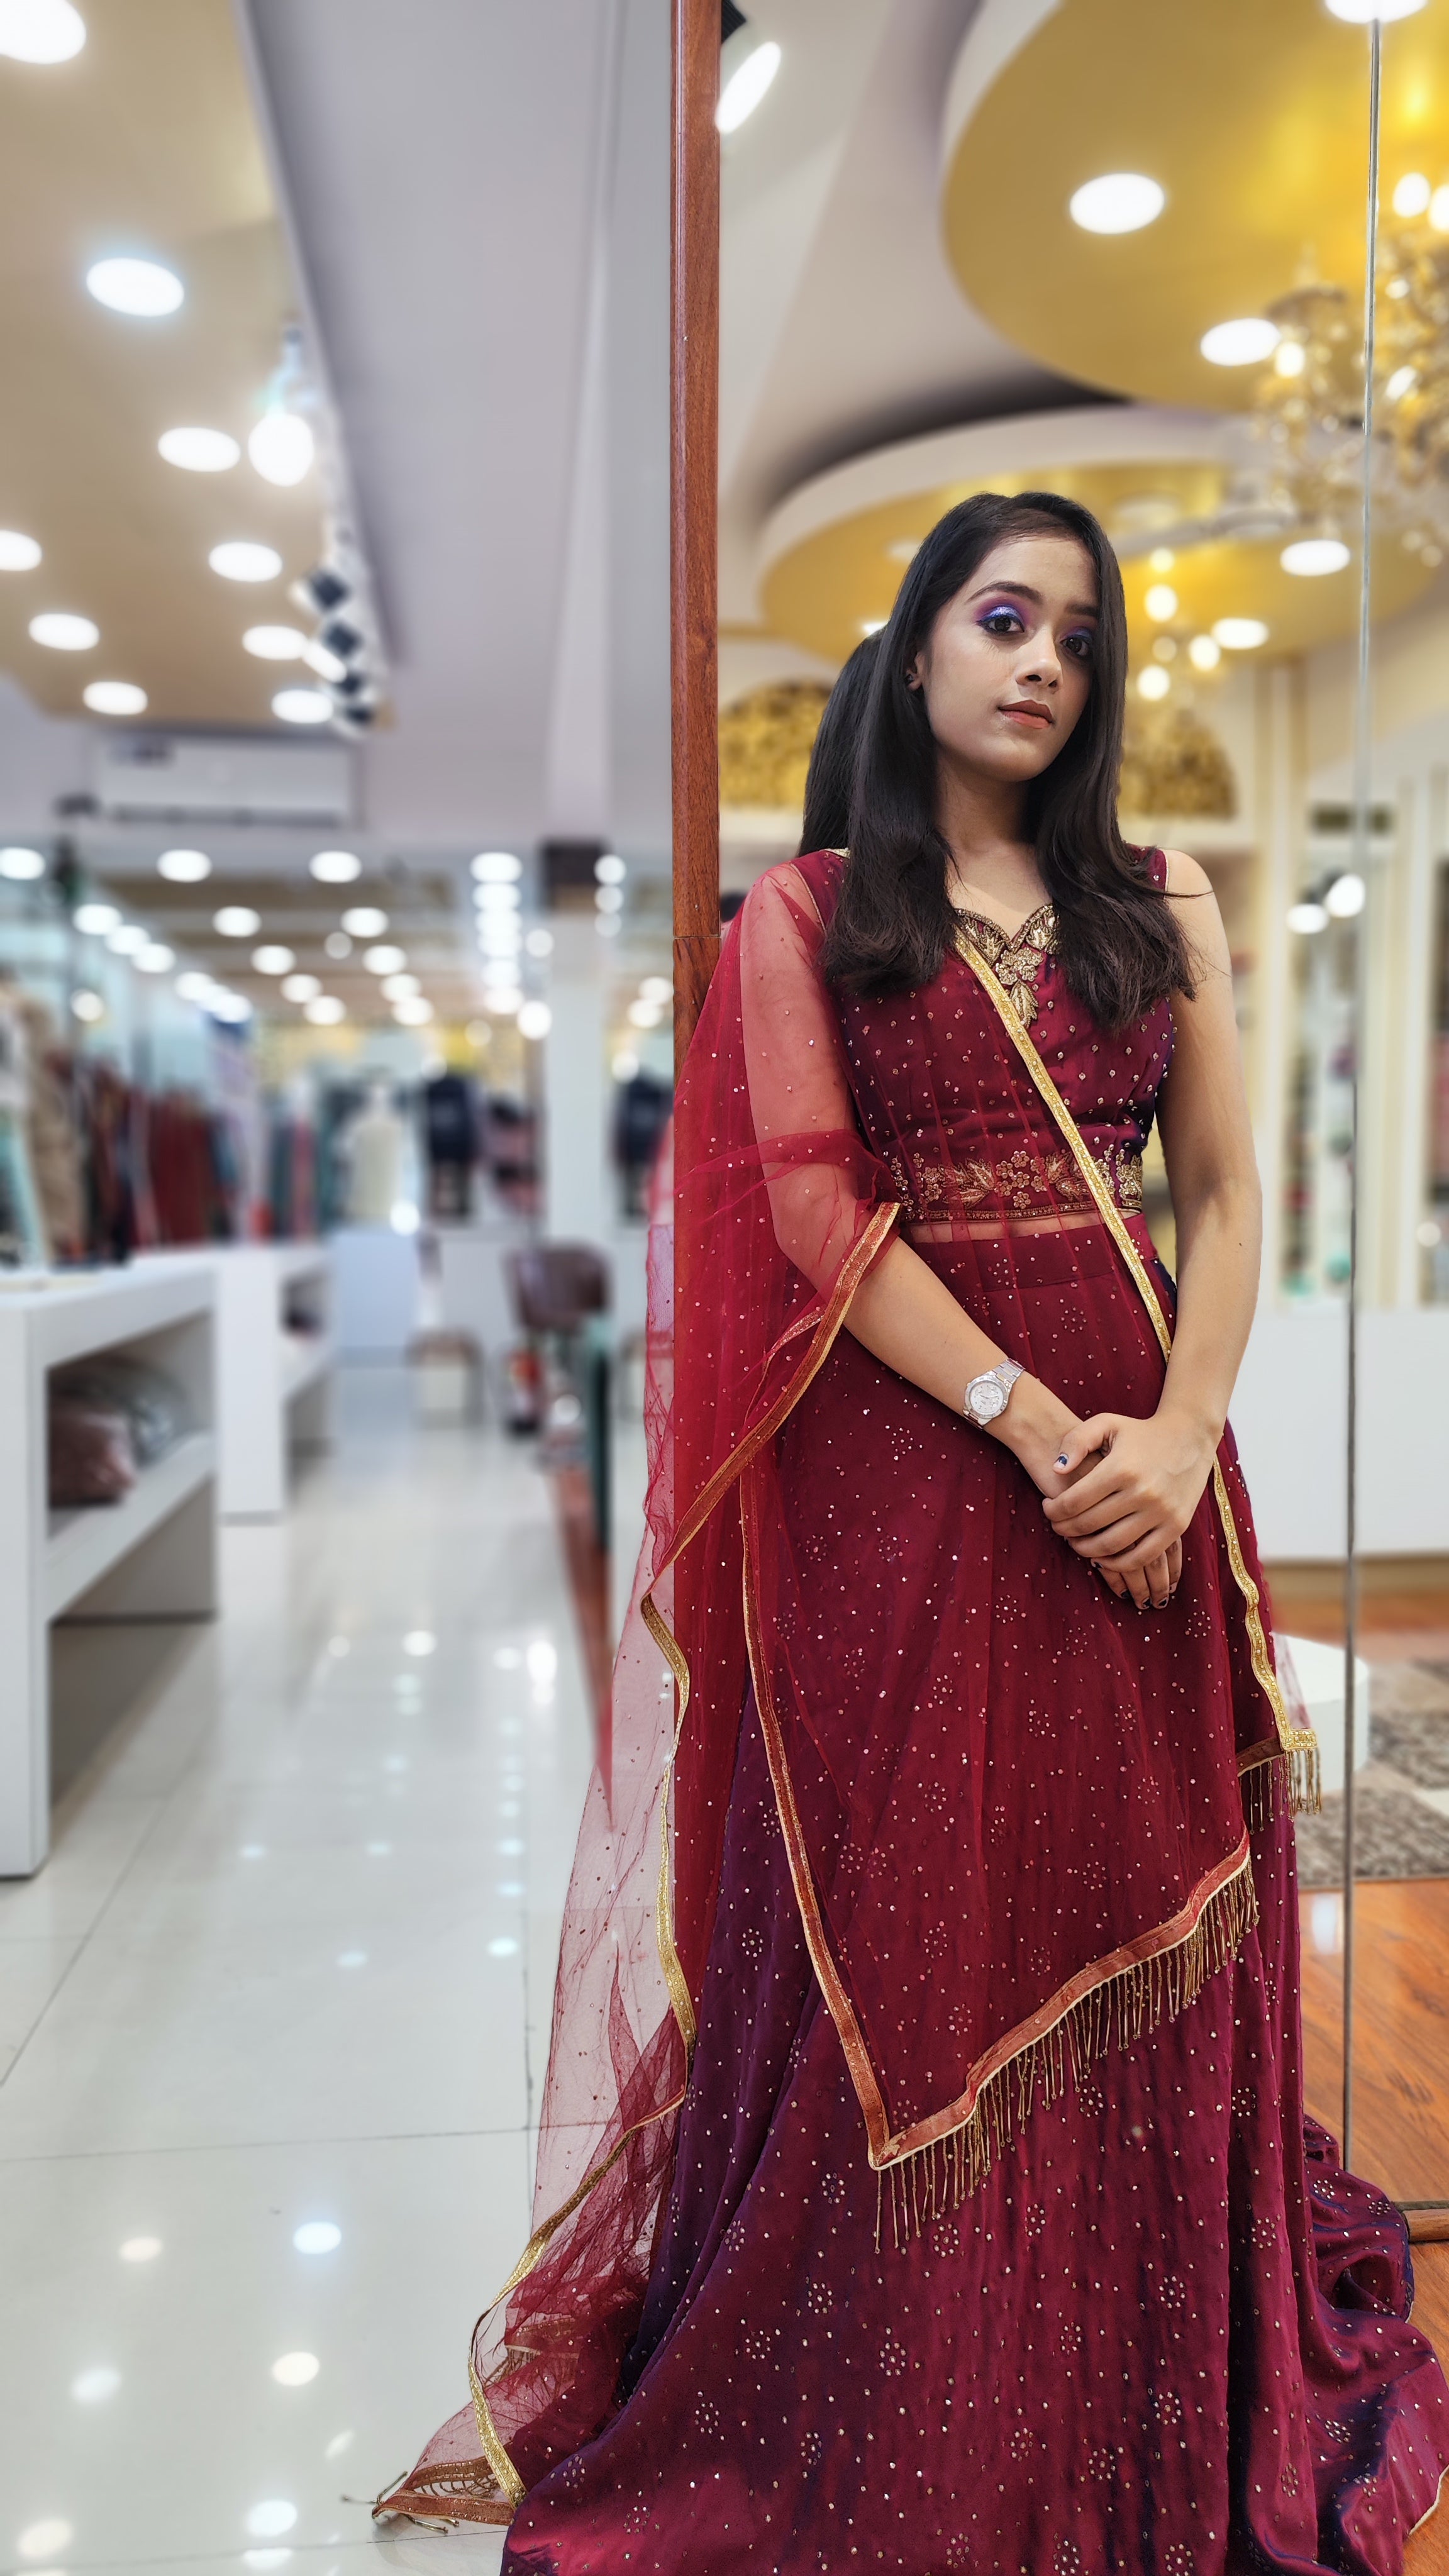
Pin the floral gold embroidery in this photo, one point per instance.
(1022, 1183)
(1014, 957)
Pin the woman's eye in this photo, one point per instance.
(1080, 646)
(1001, 621)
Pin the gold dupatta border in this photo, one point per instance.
(825, 1333)
(1113, 2000)
(1297, 1745)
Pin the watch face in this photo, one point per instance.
(987, 1401)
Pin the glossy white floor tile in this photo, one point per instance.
(291, 1962)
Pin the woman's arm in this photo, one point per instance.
(1129, 1509)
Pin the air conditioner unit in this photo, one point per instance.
(166, 778)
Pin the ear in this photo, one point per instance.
(915, 677)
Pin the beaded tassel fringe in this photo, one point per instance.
(1287, 1784)
(935, 2180)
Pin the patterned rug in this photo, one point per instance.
(1402, 1807)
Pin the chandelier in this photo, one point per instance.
(1308, 407)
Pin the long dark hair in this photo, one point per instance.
(832, 761)
(1118, 941)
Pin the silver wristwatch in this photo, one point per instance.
(988, 1396)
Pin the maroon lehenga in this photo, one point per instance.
(980, 2227)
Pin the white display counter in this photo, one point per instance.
(273, 1387)
(150, 1556)
(1289, 1412)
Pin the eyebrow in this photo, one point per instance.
(1023, 590)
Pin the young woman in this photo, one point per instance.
(924, 2182)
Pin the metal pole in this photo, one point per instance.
(694, 509)
(1362, 788)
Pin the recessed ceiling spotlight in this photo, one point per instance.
(413, 1012)
(504, 1000)
(364, 921)
(610, 869)
(1359, 12)
(1204, 652)
(657, 988)
(1161, 602)
(140, 287)
(199, 451)
(94, 920)
(745, 87)
(1122, 201)
(64, 633)
(539, 943)
(301, 706)
(155, 958)
(1240, 634)
(498, 901)
(183, 867)
(236, 921)
(17, 553)
(386, 960)
(1244, 343)
(335, 867)
(275, 643)
(242, 560)
(115, 698)
(535, 1020)
(87, 1005)
(1161, 559)
(337, 944)
(1411, 196)
(1153, 682)
(273, 960)
(400, 988)
(301, 988)
(282, 447)
(128, 940)
(20, 865)
(610, 898)
(327, 665)
(1312, 556)
(193, 986)
(497, 867)
(324, 1011)
(40, 31)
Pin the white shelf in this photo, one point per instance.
(302, 1367)
(273, 1389)
(150, 1556)
(83, 1546)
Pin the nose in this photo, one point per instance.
(1040, 661)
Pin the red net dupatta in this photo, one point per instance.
(962, 1726)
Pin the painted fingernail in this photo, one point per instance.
(1062, 1458)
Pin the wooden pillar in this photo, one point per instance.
(694, 508)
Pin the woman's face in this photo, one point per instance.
(1008, 667)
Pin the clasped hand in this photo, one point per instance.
(1128, 1489)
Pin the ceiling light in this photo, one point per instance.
(317, 2236)
(609, 899)
(194, 986)
(273, 960)
(1204, 652)
(155, 958)
(275, 643)
(240, 560)
(497, 867)
(746, 87)
(609, 870)
(1311, 556)
(140, 287)
(1161, 559)
(364, 921)
(295, 2369)
(1121, 202)
(504, 1000)
(301, 988)
(328, 666)
(40, 31)
(236, 921)
(1360, 12)
(281, 447)
(301, 706)
(128, 939)
(1243, 343)
(386, 960)
(324, 1011)
(20, 865)
(87, 1005)
(64, 633)
(337, 944)
(535, 1020)
(539, 943)
(1240, 634)
(656, 988)
(1161, 602)
(496, 900)
(1439, 210)
(115, 698)
(1411, 196)
(92, 2387)
(400, 988)
(1306, 918)
(334, 867)
(1164, 649)
(1289, 358)
(1346, 896)
(17, 553)
(412, 1012)
(644, 1015)
(229, 1006)
(1401, 382)
(183, 867)
(624, 1065)
(95, 919)
(1153, 682)
(199, 451)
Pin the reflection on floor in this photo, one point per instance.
(274, 2019)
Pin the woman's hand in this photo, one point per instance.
(1126, 1513)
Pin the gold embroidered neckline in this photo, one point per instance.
(1014, 956)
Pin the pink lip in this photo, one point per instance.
(1027, 711)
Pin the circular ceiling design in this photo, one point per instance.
(835, 552)
(1251, 119)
